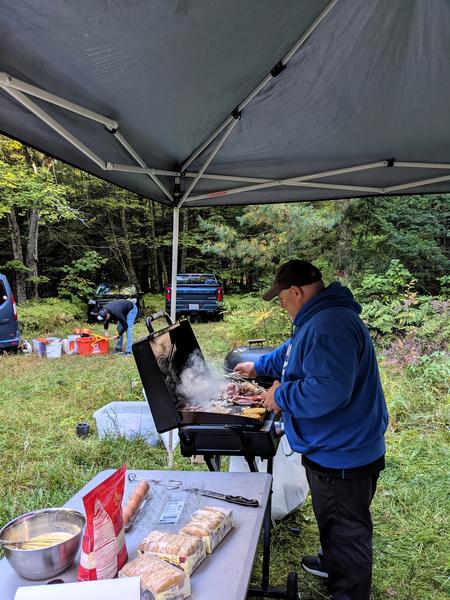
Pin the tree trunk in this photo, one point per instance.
(114, 245)
(127, 250)
(185, 229)
(153, 256)
(33, 232)
(32, 248)
(14, 230)
(164, 276)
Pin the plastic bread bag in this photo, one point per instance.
(290, 486)
(211, 523)
(159, 579)
(103, 549)
(183, 551)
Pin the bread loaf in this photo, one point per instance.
(211, 523)
(184, 551)
(161, 579)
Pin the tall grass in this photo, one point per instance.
(43, 462)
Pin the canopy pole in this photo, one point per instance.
(214, 151)
(141, 170)
(175, 236)
(205, 144)
(420, 182)
(48, 120)
(293, 181)
(220, 177)
(173, 297)
(119, 137)
(7, 81)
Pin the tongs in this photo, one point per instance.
(170, 484)
(241, 500)
(233, 376)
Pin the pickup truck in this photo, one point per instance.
(198, 294)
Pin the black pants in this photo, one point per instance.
(341, 507)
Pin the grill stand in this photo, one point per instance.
(290, 592)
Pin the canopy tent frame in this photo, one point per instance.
(22, 92)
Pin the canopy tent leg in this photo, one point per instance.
(173, 299)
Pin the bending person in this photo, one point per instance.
(122, 312)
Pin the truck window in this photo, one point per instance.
(196, 280)
(3, 294)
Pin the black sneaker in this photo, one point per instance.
(313, 565)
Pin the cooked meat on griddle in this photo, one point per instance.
(243, 393)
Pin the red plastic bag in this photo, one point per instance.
(103, 550)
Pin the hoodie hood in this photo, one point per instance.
(333, 296)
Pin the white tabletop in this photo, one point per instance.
(226, 572)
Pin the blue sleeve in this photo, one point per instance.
(329, 367)
(272, 364)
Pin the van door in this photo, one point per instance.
(9, 330)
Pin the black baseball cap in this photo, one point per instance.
(102, 314)
(294, 272)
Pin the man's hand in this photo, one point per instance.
(246, 369)
(110, 337)
(268, 400)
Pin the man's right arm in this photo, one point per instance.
(272, 364)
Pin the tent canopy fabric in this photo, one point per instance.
(300, 100)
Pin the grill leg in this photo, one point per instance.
(251, 464)
(213, 461)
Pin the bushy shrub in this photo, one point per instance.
(49, 316)
(249, 317)
(76, 284)
(405, 324)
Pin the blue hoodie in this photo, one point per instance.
(330, 395)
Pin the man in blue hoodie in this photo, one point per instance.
(329, 392)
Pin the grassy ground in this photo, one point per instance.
(43, 463)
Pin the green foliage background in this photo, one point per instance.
(90, 231)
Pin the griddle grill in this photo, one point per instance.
(160, 359)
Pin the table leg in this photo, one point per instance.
(264, 590)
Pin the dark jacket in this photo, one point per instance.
(118, 309)
(331, 396)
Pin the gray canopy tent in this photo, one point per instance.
(225, 102)
(199, 103)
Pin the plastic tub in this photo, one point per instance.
(53, 349)
(126, 419)
(92, 345)
(38, 347)
(72, 341)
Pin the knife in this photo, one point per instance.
(241, 500)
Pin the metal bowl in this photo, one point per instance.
(47, 562)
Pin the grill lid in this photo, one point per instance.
(161, 358)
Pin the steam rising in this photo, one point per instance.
(198, 385)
